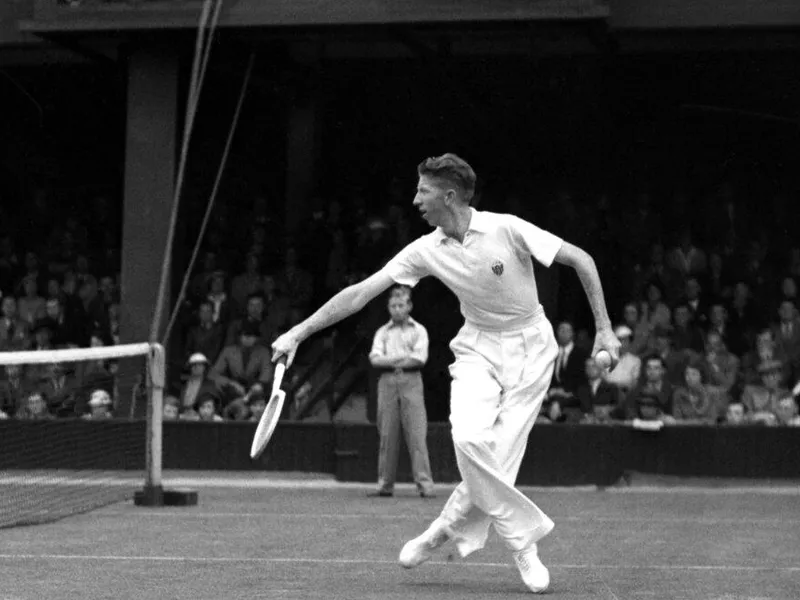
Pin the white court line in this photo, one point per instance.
(358, 561)
(188, 514)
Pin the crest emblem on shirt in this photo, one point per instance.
(497, 268)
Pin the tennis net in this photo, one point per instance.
(68, 439)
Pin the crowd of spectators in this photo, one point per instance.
(58, 289)
(706, 300)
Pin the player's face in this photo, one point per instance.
(430, 200)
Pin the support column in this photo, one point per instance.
(150, 156)
(302, 134)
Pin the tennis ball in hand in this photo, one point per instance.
(603, 359)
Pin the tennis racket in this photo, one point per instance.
(269, 418)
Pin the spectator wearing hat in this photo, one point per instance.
(243, 364)
(761, 401)
(99, 406)
(597, 398)
(205, 337)
(198, 382)
(653, 395)
(696, 401)
(625, 375)
(722, 366)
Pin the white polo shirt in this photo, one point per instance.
(491, 273)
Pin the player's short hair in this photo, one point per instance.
(453, 169)
(401, 291)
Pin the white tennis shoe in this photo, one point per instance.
(420, 549)
(534, 574)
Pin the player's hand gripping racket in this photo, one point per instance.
(271, 414)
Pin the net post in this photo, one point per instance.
(153, 492)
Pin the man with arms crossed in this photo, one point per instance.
(504, 355)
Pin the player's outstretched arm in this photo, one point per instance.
(584, 265)
(347, 302)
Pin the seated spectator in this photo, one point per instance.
(789, 288)
(717, 282)
(625, 375)
(94, 310)
(686, 258)
(735, 415)
(667, 278)
(257, 403)
(58, 382)
(65, 332)
(766, 350)
(674, 361)
(33, 270)
(787, 333)
(206, 337)
(99, 406)
(297, 285)
(14, 388)
(742, 319)
(597, 399)
(198, 287)
(570, 370)
(695, 301)
(761, 401)
(248, 283)
(686, 335)
(53, 287)
(30, 305)
(255, 317)
(34, 408)
(640, 332)
(652, 396)
(43, 330)
(206, 408)
(787, 412)
(696, 401)
(722, 365)
(171, 409)
(240, 366)
(198, 383)
(718, 320)
(277, 307)
(13, 329)
(654, 310)
(3, 415)
(221, 306)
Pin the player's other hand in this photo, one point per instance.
(606, 340)
(286, 345)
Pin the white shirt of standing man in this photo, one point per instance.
(402, 343)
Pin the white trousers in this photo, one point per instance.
(500, 380)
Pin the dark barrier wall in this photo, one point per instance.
(556, 454)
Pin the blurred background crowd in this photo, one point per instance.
(703, 291)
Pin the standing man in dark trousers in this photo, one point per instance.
(399, 351)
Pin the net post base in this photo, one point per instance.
(158, 496)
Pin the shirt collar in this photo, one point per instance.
(410, 321)
(478, 222)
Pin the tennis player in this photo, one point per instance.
(504, 355)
